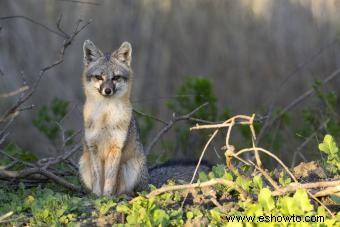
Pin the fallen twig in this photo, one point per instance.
(329, 191)
(295, 186)
(231, 184)
(36, 172)
(230, 153)
(200, 160)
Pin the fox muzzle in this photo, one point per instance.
(107, 88)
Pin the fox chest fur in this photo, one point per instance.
(106, 124)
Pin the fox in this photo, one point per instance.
(113, 159)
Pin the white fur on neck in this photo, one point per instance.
(118, 113)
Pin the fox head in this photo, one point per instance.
(107, 75)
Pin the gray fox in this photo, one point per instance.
(113, 159)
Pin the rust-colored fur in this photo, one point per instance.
(113, 160)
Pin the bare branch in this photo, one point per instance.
(169, 126)
(199, 161)
(301, 67)
(41, 169)
(36, 23)
(298, 150)
(81, 2)
(294, 103)
(329, 191)
(58, 24)
(230, 152)
(209, 183)
(295, 186)
(13, 111)
(149, 116)
(13, 93)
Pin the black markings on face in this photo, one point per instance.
(108, 76)
(107, 88)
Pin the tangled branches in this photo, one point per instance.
(320, 189)
(43, 168)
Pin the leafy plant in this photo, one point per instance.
(104, 204)
(48, 118)
(17, 152)
(329, 147)
(148, 212)
(193, 93)
(190, 95)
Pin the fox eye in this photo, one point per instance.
(98, 77)
(116, 78)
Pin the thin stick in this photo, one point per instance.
(209, 183)
(329, 191)
(300, 67)
(13, 111)
(81, 2)
(295, 102)
(13, 93)
(200, 160)
(266, 175)
(169, 126)
(271, 155)
(35, 172)
(323, 125)
(202, 154)
(295, 186)
(36, 23)
(287, 170)
(224, 124)
(149, 116)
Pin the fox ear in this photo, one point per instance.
(91, 52)
(123, 54)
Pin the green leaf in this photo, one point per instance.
(288, 206)
(160, 217)
(254, 210)
(228, 176)
(266, 199)
(243, 182)
(258, 182)
(328, 145)
(302, 201)
(203, 177)
(215, 214)
(123, 208)
(284, 180)
(219, 170)
(190, 215)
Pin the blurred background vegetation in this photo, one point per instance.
(238, 55)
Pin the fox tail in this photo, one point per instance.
(180, 171)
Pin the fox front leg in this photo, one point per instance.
(85, 169)
(111, 169)
(97, 174)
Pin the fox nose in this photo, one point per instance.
(108, 91)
